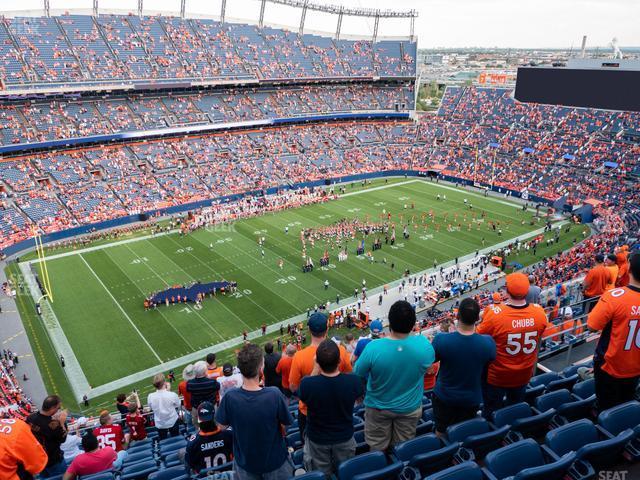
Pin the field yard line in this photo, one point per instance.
(354, 256)
(232, 342)
(275, 271)
(381, 187)
(106, 245)
(163, 280)
(121, 309)
(399, 258)
(140, 290)
(181, 268)
(471, 192)
(240, 268)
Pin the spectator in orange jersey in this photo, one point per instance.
(616, 361)
(595, 283)
(610, 263)
(430, 376)
(623, 266)
(568, 322)
(19, 451)
(284, 367)
(516, 326)
(303, 363)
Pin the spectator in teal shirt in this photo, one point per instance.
(394, 369)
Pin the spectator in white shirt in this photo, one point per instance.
(229, 379)
(71, 446)
(164, 404)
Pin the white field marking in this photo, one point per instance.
(217, 274)
(373, 189)
(207, 324)
(106, 245)
(121, 309)
(146, 264)
(256, 334)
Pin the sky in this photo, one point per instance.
(441, 23)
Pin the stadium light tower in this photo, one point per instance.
(95, 8)
(140, 7)
(340, 11)
(47, 8)
(223, 9)
(183, 8)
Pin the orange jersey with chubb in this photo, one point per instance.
(617, 315)
(18, 446)
(517, 332)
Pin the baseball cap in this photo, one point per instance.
(567, 311)
(317, 323)
(376, 326)
(517, 285)
(496, 297)
(205, 412)
(227, 369)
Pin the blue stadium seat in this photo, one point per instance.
(620, 418)
(315, 475)
(294, 440)
(590, 443)
(562, 382)
(426, 453)
(172, 460)
(526, 460)
(523, 419)
(139, 471)
(361, 444)
(135, 457)
(462, 471)
(369, 466)
(98, 476)
(568, 407)
(424, 427)
(585, 389)
(167, 449)
(297, 458)
(174, 473)
(141, 443)
(477, 435)
(543, 379)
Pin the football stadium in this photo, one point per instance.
(285, 238)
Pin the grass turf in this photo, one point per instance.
(108, 346)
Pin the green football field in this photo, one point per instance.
(99, 294)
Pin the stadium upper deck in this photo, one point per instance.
(76, 50)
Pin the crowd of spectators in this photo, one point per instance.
(57, 119)
(114, 48)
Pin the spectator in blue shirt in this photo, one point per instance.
(257, 416)
(376, 331)
(330, 397)
(394, 369)
(464, 356)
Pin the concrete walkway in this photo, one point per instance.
(13, 337)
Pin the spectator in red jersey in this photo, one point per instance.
(136, 422)
(108, 434)
(94, 459)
